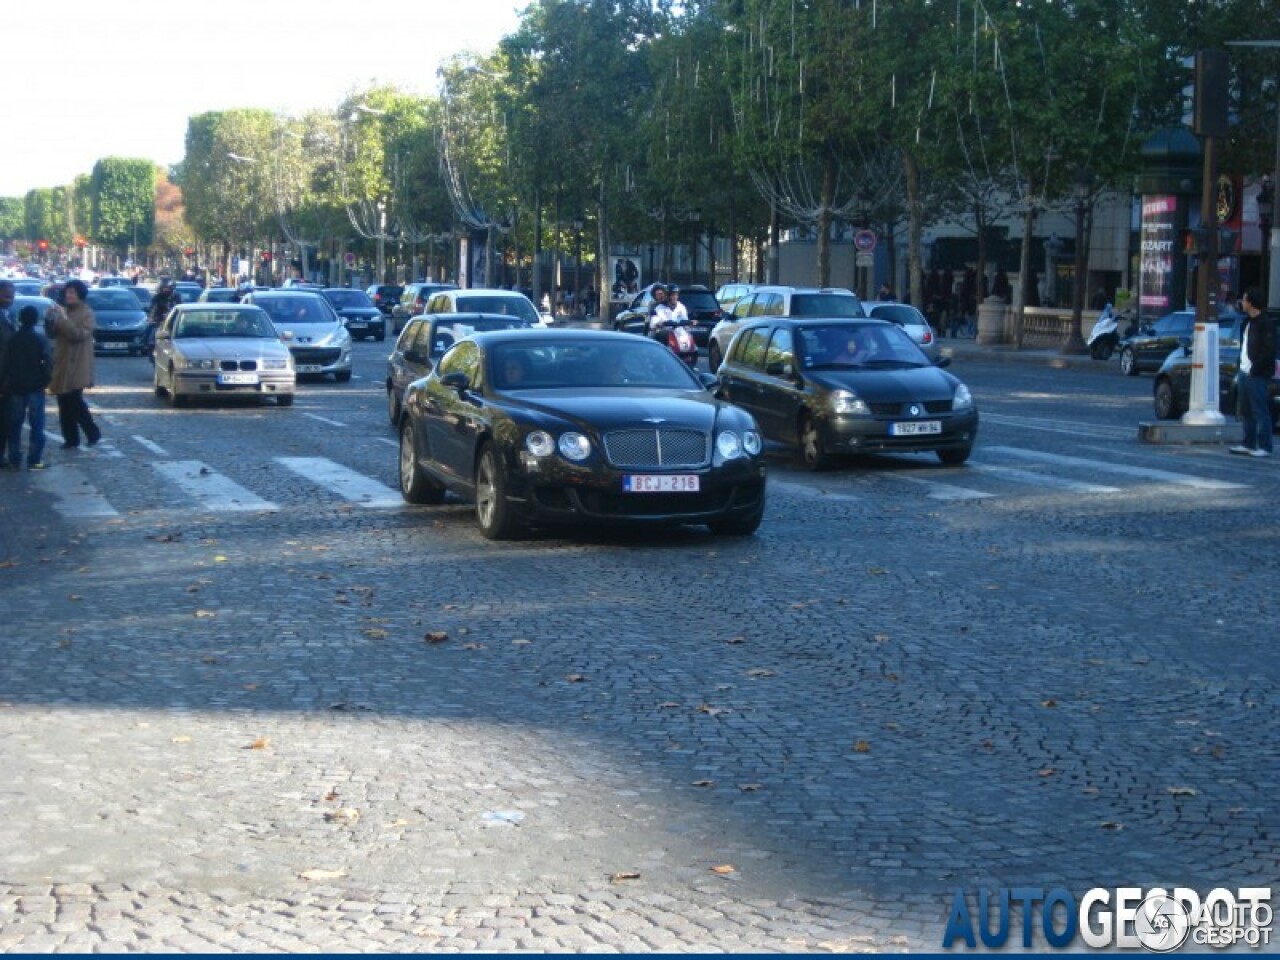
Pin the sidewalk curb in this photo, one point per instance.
(1002, 353)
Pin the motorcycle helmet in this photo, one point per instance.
(672, 289)
(659, 288)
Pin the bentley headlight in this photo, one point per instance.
(574, 446)
(963, 399)
(846, 401)
(540, 444)
(751, 442)
(728, 445)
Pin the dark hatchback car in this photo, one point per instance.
(1172, 391)
(357, 311)
(1145, 351)
(143, 294)
(219, 295)
(413, 301)
(425, 340)
(120, 323)
(384, 296)
(704, 312)
(582, 427)
(845, 387)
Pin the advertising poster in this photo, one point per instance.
(1158, 248)
(626, 284)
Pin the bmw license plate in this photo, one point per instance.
(667, 483)
(915, 428)
(239, 379)
(309, 368)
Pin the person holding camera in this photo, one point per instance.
(73, 324)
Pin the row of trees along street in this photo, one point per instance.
(650, 122)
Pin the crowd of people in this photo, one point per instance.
(58, 360)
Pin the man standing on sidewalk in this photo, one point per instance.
(1253, 378)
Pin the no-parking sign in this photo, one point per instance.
(864, 241)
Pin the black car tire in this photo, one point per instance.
(284, 399)
(160, 391)
(812, 454)
(415, 485)
(954, 456)
(741, 525)
(493, 512)
(393, 406)
(381, 335)
(1166, 402)
(1128, 362)
(713, 357)
(342, 376)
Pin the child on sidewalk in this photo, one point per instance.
(28, 365)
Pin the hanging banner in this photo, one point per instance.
(1158, 248)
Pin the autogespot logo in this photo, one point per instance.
(1158, 920)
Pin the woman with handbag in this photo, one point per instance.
(73, 325)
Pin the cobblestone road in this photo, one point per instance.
(225, 728)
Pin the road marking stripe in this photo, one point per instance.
(1049, 426)
(155, 448)
(347, 483)
(805, 490)
(1145, 473)
(943, 491)
(316, 416)
(1042, 479)
(389, 442)
(74, 497)
(213, 490)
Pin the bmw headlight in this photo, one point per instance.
(275, 364)
(540, 443)
(846, 401)
(574, 446)
(963, 399)
(751, 442)
(728, 445)
(199, 364)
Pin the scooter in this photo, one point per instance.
(1105, 334)
(680, 339)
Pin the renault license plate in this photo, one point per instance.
(247, 379)
(667, 483)
(309, 368)
(114, 345)
(915, 428)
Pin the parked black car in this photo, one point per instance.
(704, 311)
(1172, 390)
(1145, 351)
(120, 323)
(413, 301)
(357, 311)
(425, 340)
(830, 386)
(578, 426)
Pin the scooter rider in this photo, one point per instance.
(166, 299)
(679, 312)
(659, 314)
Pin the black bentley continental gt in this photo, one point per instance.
(578, 426)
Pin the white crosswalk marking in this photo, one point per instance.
(74, 497)
(817, 493)
(155, 448)
(214, 491)
(347, 483)
(944, 491)
(1042, 479)
(1103, 466)
(332, 423)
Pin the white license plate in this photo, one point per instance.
(238, 378)
(309, 368)
(356, 324)
(667, 483)
(915, 428)
(114, 345)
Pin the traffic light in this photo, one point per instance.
(1212, 101)
(43, 245)
(266, 256)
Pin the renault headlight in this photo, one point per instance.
(728, 445)
(963, 399)
(574, 446)
(540, 443)
(848, 402)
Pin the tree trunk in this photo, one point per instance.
(980, 220)
(603, 283)
(915, 227)
(1024, 269)
(824, 220)
(734, 252)
(771, 254)
(537, 246)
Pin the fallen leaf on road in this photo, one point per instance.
(521, 641)
(624, 875)
(750, 787)
(473, 646)
(75, 596)
(669, 705)
(711, 711)
(397, 823)
(436, 636)
(760, 672)
(182, 738)
(7, 564)
(332, 794)
(862, 746)
(575, 678)
(322, 874)
(736, 640)
(219, 559)
(260, 744)
(1181, 791)
(1047, 772)
(1049, 703)
(204, 614)
(704, 783)
(877, 571)
(374, 633)
(347, 815)
(193, 589)
(1111, 825)
(724, 870)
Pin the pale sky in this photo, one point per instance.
(98, 78)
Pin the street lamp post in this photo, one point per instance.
(577, 266)
(1266, 209)
(1081, 188)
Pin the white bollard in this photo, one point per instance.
(1203, 406)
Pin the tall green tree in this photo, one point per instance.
(124, 199)
(12, 215)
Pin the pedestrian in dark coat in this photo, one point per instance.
(73, 365)
(1254, 374)
(27, 368)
